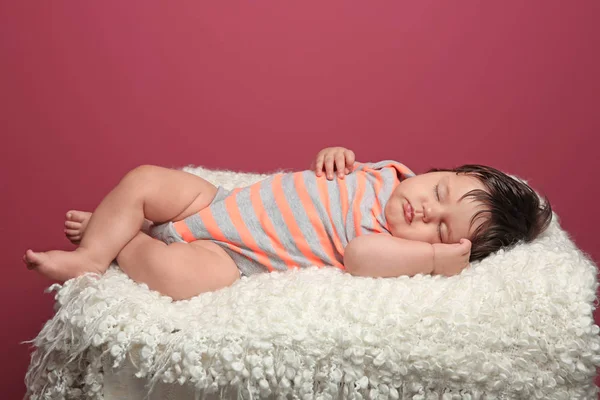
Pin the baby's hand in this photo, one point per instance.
(451, 259)
(339, 159)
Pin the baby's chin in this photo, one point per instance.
(400, 229)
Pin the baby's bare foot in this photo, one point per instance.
(77, 221)
(75, 225)
(62, 265)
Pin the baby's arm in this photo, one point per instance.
(386, 256)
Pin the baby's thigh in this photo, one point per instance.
(185, 270)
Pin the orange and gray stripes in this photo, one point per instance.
(293, 219)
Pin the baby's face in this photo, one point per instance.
(428, 208)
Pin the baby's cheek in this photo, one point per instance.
(432, 234)
(420, 234)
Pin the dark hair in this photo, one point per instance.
(512, 211)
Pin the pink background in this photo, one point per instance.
(89, 90)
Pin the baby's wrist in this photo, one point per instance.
(440, 256)
(435, 259)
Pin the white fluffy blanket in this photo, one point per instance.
(516, 325)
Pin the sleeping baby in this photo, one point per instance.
(183, 236)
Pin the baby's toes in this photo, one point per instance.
(72, 232)
(31, 259)
(77, 216)
(72, 225)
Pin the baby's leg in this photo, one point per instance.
(147, 192)
(178, 270)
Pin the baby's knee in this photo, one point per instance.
(141, 173)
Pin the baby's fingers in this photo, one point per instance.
(340, 164)
(350, 158)
(319, 164)
(465, 245)
(329, 165)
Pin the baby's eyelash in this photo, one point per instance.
(437, 195)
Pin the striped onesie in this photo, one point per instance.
(293, 219)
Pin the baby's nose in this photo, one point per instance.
(428, 213)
